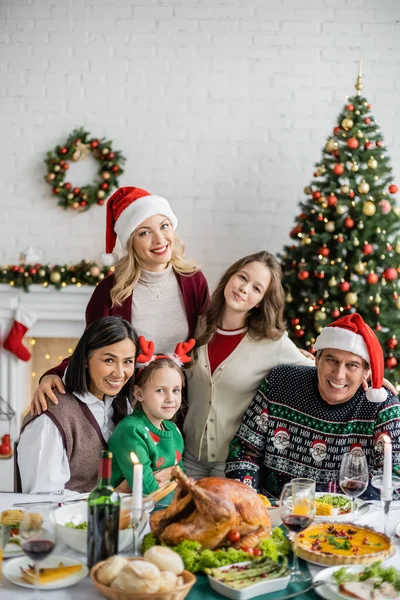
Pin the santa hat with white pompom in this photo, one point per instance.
(352, 334)
(127, 208)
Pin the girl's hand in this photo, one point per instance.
(123, 487)
(163, 476)
(48, 382)
(386, 383)
(307, 354)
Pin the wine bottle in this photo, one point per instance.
(103, 515)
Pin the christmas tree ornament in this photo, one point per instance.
(335, 313)
(344, 286)
(356, 242)
(363, 188)
(393, 189)
(23, 320)
(385, 206)
(367, 120)
(347, 123)
(350, 107)
(351, 298)
(390, 362)
(379, 143)
(332, 200)
(369, 209)
(289, 298)
(338, 169)
(308, 190)
(359, 269)
(331, 145)
(397, 303)
(376, 310)
(392, 343)
(372, 163)
(344, 189)
(306, 240)
(367, 249)
(330, 226)
(355, 167)
(332, 282)
(299, 333)
(324, 251)
(336, 130)
(341, 209)
(340, 239)
(348, 223)
(368, 145)
(303, 275)
(320, 315)
(352, 143)
(360, 134)
(390, 274)
(372, 278)
(316, 195)
(377, 299)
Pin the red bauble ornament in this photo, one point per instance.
(33, 271)
(94, 143)
(338, 169)
(319, 275)
(393, 189)
(68, 185)
(379, 143)
(352, 143)
(372, 278)
(336, 130)
(299, 332)
(351, 194)
(367, 120)
(332, 200)
(65, 166)
(348, 223)
(340, 239)
(368, 145)
(390, 274)
(320, 218)
(77, 191)
(115, 168)
(335, 313)
(104, 186)
(110, 155)
(350, 107)
(21, 270)
(295, 321)
(63, 150)
(344, 286)
(335, 153)
(392, 343)
(324, 251)
(390, 362)
(295, 231)
(15, 268)
(56, 190)
(316, 195)
(302, 275)
(378, 327)
(367, 249)
(376, 310)
(82, 203)
(101, 202)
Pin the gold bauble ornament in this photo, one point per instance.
(42, 272)
(106, 175)
(95, 271)
(340, 209)
(356, 242)
(355, 168)
(351, 298)
(75, 205)
(50, 177)
(347, 124)
(363, 188)
(84, 196)
(319, 315)
(330, 226)
(308, 190)
(331, 145)
(55, 276)
(372, 163)
(397, 304)
(359, 268)
(378, 299)
(360, 134)
(105, 150)
(396, 210)
(332, 282)
(318, 328)
(397, 247)
(70, 196)
(101, 194)
(289, 298)
(369, 209)
(357, 112)
(344, 189)
(56, 168)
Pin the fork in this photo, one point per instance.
(314, 585)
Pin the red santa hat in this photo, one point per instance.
(318, 443)
(279, 430)
(352, 334)
(127, 208)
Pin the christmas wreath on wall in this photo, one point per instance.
(78, 146)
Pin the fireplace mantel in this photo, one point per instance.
(60, 314)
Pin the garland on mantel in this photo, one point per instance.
(59, 276)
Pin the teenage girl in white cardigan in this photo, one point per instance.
(240, 338)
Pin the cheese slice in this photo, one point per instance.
(49, 574)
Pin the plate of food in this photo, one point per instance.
(55, 572)
(332, 544)
(375, 581)
(11, 520)
(337, 507)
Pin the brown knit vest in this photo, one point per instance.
(81, 435)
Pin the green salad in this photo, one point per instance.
(379, 575)
(335, 501)
(196, 559)
(72, 525)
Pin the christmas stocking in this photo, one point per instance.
(13, 342)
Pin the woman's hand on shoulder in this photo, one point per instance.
(46, 386)
(307, 354)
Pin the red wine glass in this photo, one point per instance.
(353, 476)
(38, 536)
(297, 510)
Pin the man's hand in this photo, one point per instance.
(307, 354)
(123, 487)
(39, 402)
(163, 476)
(386, 383)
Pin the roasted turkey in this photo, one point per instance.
(205, 511)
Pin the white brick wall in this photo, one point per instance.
(221, 106)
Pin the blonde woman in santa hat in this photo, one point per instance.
(153, 286)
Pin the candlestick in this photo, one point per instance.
(387, 485)
(137, 486)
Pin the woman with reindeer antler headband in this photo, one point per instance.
(148, 431)
(152, 286)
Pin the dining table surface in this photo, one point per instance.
(85, 589)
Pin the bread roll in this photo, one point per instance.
(165, 559)
(138, 576)
(168, 581)
(110, 569)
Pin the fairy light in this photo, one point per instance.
(32, 342)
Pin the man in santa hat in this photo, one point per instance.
(325, 412)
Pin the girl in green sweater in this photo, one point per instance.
(148, 431)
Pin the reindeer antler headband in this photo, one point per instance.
(147, 355)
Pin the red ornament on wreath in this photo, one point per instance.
(390, 274)
(338, 169)
(79, 145)
(367, 249)
(390, 362)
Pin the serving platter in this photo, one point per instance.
(360, 509)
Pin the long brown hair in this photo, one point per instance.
(262, 321)
(128, 269)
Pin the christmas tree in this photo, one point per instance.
(346, 253)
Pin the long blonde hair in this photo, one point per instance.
(262, 321)
(128, 269)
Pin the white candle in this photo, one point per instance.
(387, 466)
(137, 487)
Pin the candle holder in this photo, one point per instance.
(139, 519)
(386, 496)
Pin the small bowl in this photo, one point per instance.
(251, 591)
(77, 538)
(114, 594)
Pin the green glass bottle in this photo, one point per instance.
(103, 515)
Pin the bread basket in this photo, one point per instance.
(114, 594)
